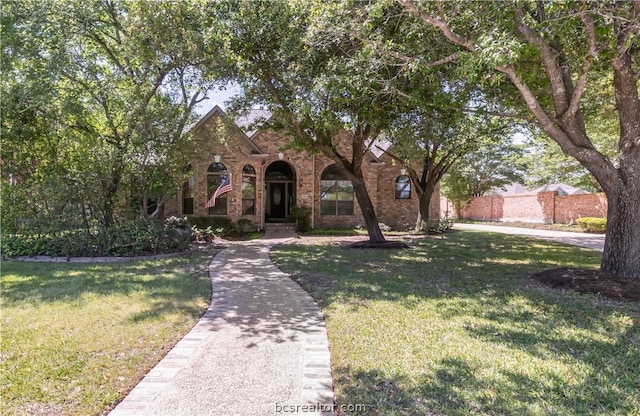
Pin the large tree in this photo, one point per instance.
(550, 53)
(110, 87)
(430, 141)
(549, 164)
(295, 59)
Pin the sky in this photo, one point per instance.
(218, 97)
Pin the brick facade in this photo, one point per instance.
(261, 151)
(543, 207)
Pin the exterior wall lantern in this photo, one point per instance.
(216, 158)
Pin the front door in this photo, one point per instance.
(278, 200)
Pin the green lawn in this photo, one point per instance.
(77, 336)
(455, 326)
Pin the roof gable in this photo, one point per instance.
(216, 111)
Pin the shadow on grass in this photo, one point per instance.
(480, 282)
(455, 388)
(168, 284)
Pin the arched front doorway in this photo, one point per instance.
(279, 179)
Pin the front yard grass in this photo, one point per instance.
(455, 326)
(75, 337)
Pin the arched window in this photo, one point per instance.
(216, 174)
(248, 190)
(336, 192)
(187, 192)
(403, 187)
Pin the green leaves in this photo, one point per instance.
(100, 93)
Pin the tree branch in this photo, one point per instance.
(549, 60)
(581, 83)
(410, 6)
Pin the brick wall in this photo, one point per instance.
(571, 207)
(236, 151)
(543, 207)
(400, 214)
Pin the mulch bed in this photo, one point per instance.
(588, 281)
(385, 244)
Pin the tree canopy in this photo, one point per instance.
(98, 97)
(542, 59)
(300, 61)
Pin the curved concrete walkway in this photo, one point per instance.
(260, 349)
(593, 241)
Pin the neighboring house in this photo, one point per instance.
(561, 189)
(552, 203)
(517, 188)
(266, 181)
(510, 189)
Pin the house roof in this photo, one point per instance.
(247, 122)
(216, 110)
(380, 146)
(561, 187)
(510, 189)
(519, 189)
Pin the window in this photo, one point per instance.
(216, 174)
(336, 193)
(187, 192)
(403, 187)
(248, 190)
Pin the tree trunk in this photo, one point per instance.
(110, 190)
(458, 209)
(424, 214)
(423, 224)
(368, 212)
(621, 257)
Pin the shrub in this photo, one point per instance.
(178, 223)
(131, 238)
(592, 224)
(203, 235)
(302, 214)
(443, 225)
(215, 223)
(245, 225)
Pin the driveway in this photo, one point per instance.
(592, 241)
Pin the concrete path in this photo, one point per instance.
(593, 241)
(260, 349)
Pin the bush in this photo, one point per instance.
(178, 223)
(302, 214)
(245, 225)
(203, 235)
(592, 224)
(215, 223)
(444, 225)
(221, 226)
(132, 238)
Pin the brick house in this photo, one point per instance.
(267, 181)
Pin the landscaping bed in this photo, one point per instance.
(588, 281)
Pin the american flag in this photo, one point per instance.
(224, 187)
